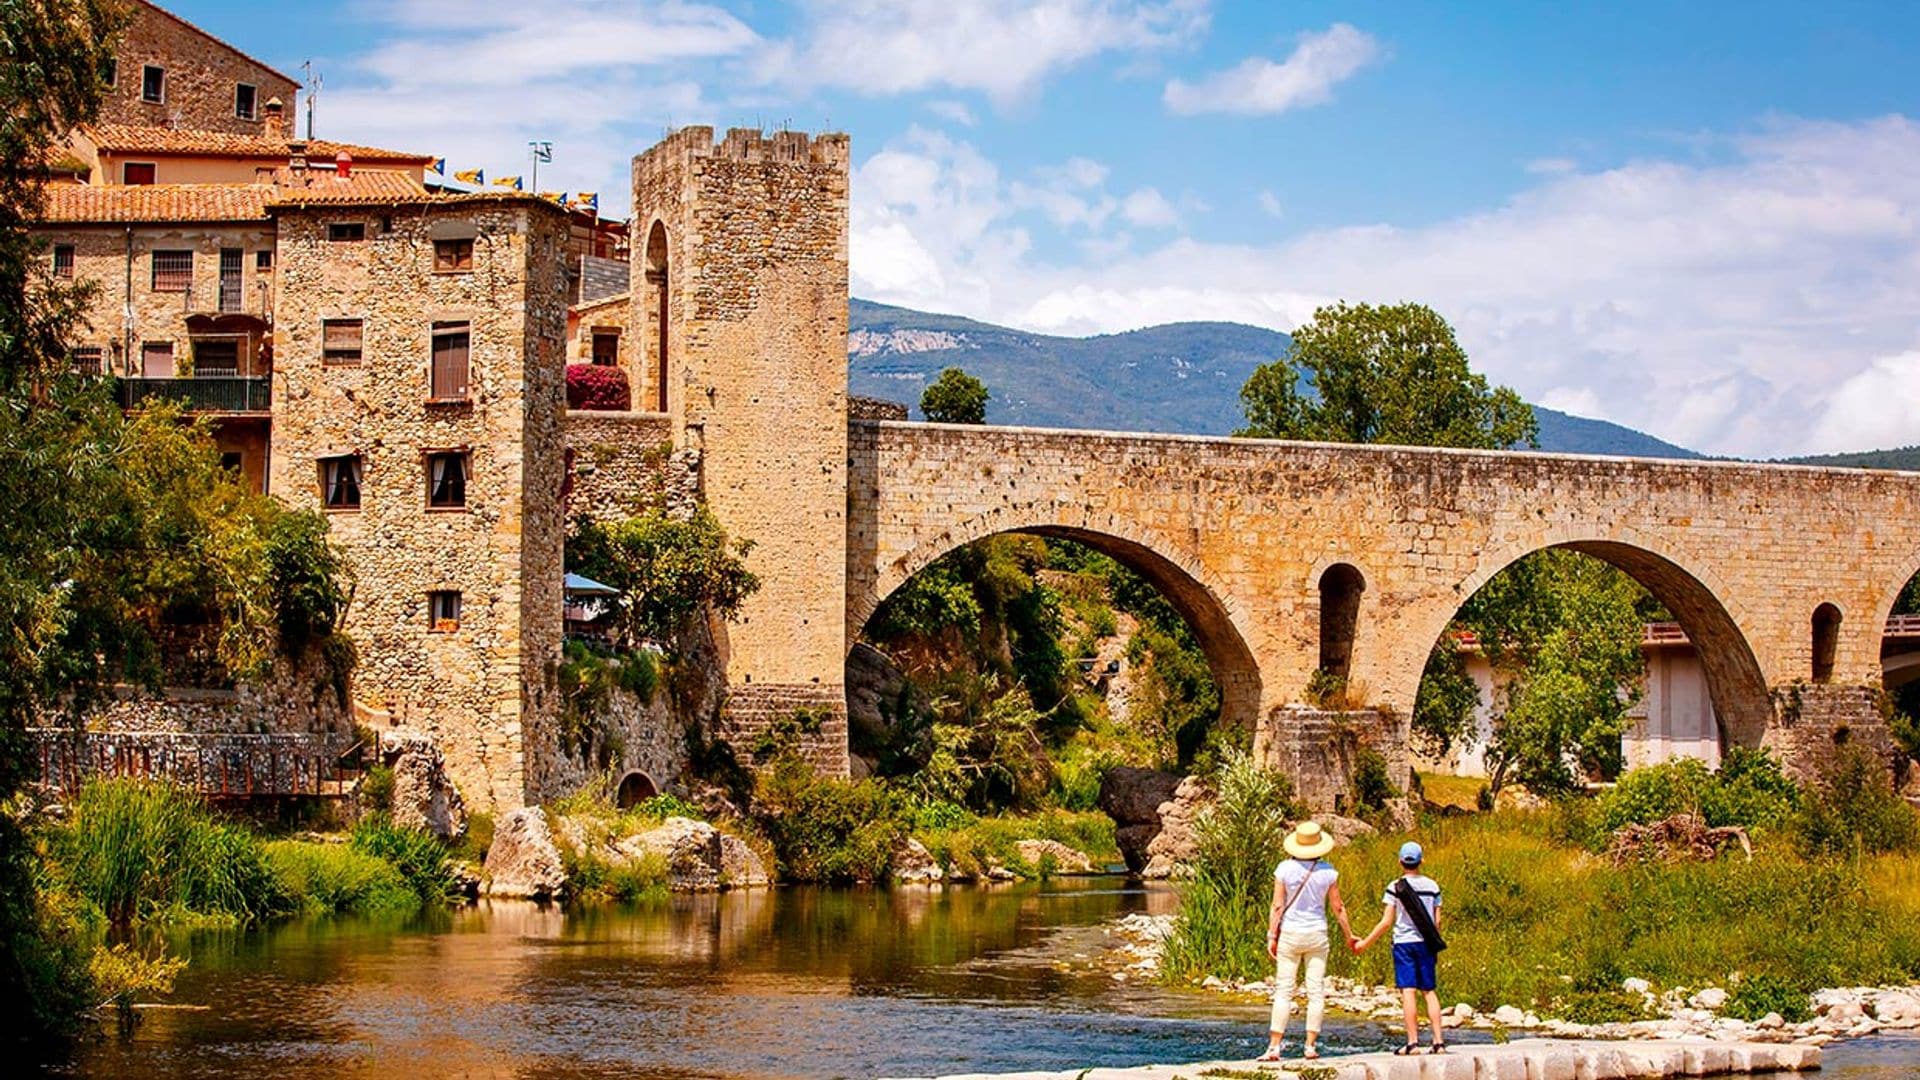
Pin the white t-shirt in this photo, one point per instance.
(1428, 890)
(1311, 880)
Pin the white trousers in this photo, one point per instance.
(1296, 946)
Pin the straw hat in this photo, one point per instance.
(1308, 841)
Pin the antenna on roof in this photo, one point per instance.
(313, 92)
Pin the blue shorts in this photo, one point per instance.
(1413, 966)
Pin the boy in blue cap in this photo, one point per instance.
(1413, 910)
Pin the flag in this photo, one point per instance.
(507, 182)
(588, 199)
(555, 196)
(439, 166)
(471, 176)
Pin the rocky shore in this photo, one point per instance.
(1136, 942)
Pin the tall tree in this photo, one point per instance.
(955, 398)
(1389, 374)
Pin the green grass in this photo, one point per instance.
(420, 858)
(333, 878)
(1536, 922)
(1458, 792)
(969, 844)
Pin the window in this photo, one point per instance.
(172, 271)
(451, 255)
(243, 96)
(1826, 641)
(606, 347)
(153, 84)
(448, 380)
(216, 358)
(156, 359)
(443, 610)
(340, 482)
(63, 260)
(136, 173)
(447, 480)
(86, 360)
(263, 260)
(340, 341)
(347, 230)
(110, 71)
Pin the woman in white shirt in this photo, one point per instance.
(1304, 889)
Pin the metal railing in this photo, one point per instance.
(216, 765)
(229, 394)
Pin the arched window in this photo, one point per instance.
(1340, 589)
(658, 321)
(1826, 639)
(635, 788)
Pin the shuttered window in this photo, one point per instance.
(447, 475)
(452, 255)
(340, 341)
(156, 359)
(450, 366)
(86, 360)
(63, 260)
(172, 271)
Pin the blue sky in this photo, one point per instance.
(1701, 220)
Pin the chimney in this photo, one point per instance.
(297, 158)
(274, 114)
(343, 165)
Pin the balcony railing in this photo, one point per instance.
(228, 394)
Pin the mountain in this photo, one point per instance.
(1906, 458)
(1178, 377)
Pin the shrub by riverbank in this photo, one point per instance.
(1538, 919)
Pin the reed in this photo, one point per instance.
(337, 878)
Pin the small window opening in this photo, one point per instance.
(447, 476)
(340, 341)
(153, 84)
(1826, 641)
(86, 360)
(243, 98)
(263, 260)
(452, 255)
(110, 71)
(449, 375)
(1340, 589)
(346, 231)
(606, 347)
(443, 610)
(340, 482)
(137, 173)
(63, 260)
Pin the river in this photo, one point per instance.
(769, 983)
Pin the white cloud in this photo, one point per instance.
(1258, 86)
(1761, 303)
(1149, 209)
(1270, 205)
(1002, 48)
(955, 111)
(1879, 407)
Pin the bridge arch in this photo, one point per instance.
(1709, 613)
(1177, 575)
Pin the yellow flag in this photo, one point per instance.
(507, 182)
(471, 176)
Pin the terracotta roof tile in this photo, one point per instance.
(134, 139)
(85, 203)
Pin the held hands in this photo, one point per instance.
(1356, 944)
(1273, 946)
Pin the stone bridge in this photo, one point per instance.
(1286, 557)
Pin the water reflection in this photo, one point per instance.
(786, 983)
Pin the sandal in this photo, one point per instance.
(1410, 1048)
(1438, 1048)
(1272, 1054)
(1311, 1053)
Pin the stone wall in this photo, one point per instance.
(1817, 721)
(485, 689)
(872, 408)
(1238, 532)
(1319, 749)
(620, 462)
(201, 75)
(603, 315)
(756, 279)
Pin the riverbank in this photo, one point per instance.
(1525, 1059)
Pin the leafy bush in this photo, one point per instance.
(1600, 1007)
(1749, 790)
(663, 806)
(1854, 808)
(1221, 929)
(969, 845)
(1754, 996)
(143, 850)
(598, 386)
(825, 829)
(376, 789)
(1372, 782)
(330, 878)
(668, 569)
(591, 877)
(955, 398)
(419, 856)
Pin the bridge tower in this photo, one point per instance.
(739, 302)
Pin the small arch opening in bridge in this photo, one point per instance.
(657, 301)
(1022, 666)
(635, 788)
(1900, 649)
(1583, 640)
(1340, 589)
(1826, 641)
